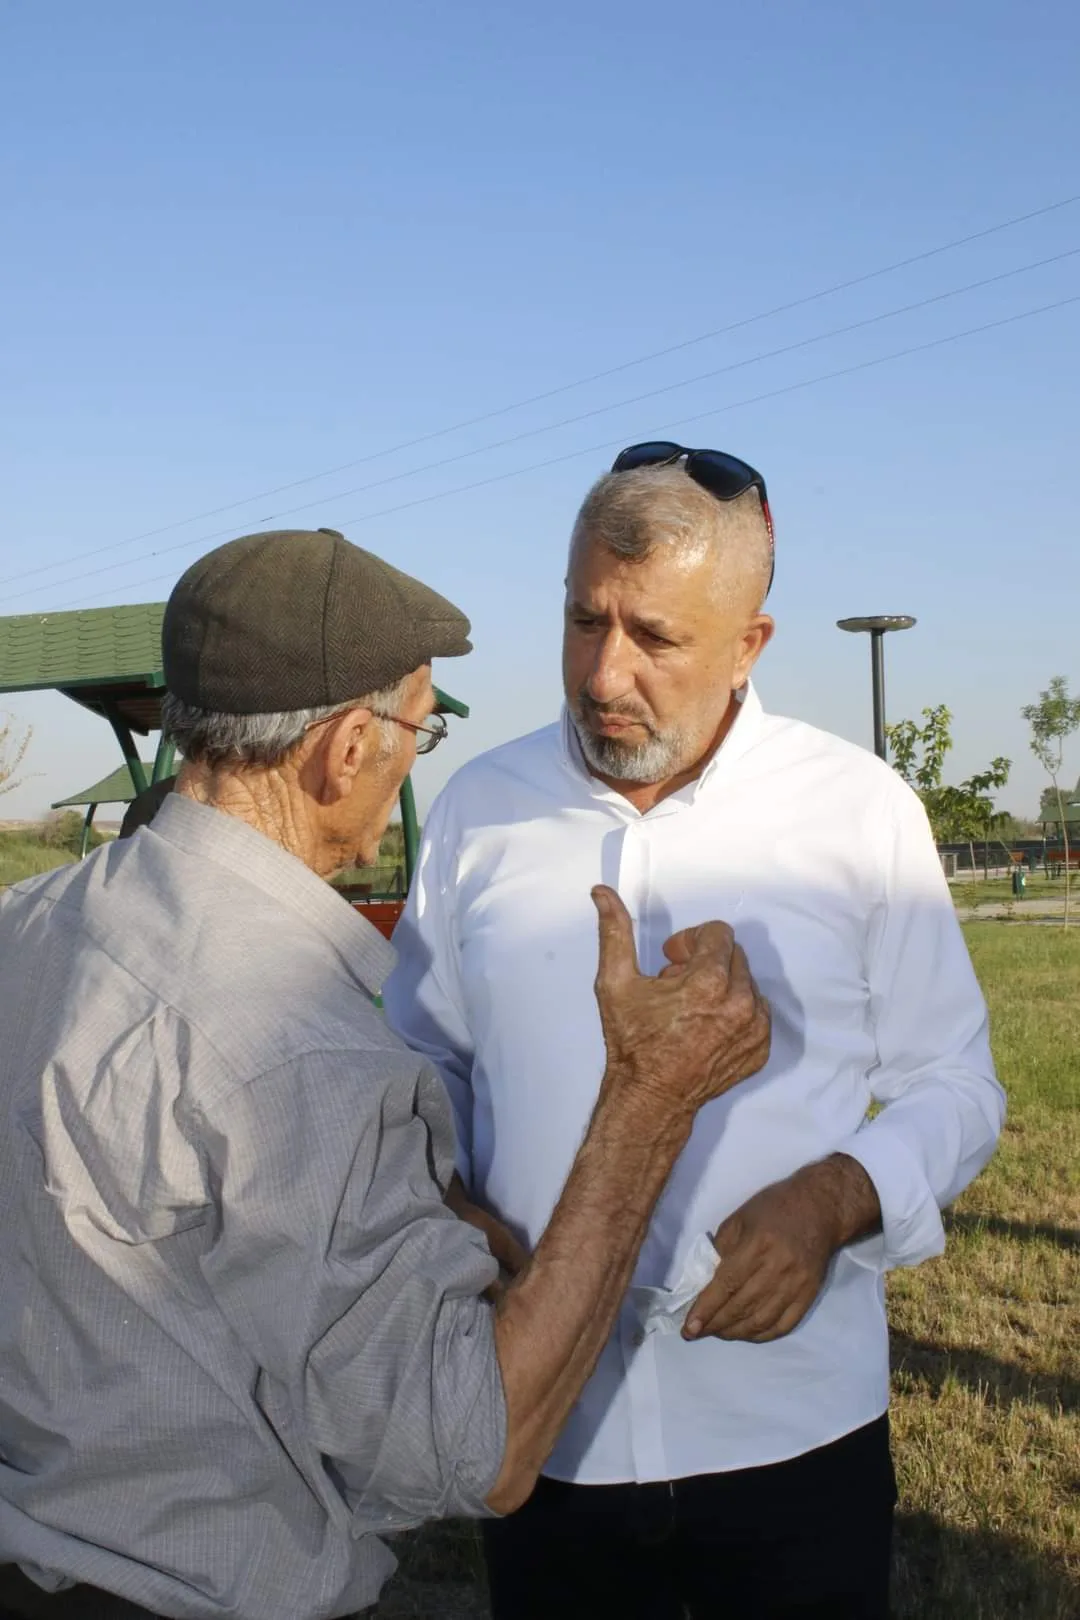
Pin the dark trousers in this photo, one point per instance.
(22, 1599)
(807, 1539)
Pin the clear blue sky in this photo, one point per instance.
(246, 243)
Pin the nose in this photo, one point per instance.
(611, 674)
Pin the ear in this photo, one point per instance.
(752, 643)
(345, 749)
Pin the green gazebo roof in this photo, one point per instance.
(97, 656)
(73, 649)
(116, 788)
(104, 658)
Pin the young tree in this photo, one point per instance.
(1052, 720)
(12, 752)
(918, 755)
(955, 814)
(977, 807)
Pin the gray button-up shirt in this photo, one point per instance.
(240, 1333)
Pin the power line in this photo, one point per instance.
(673, 387)
(666, 427)
(584, 416)
(564, 388)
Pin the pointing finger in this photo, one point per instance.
(618, 953)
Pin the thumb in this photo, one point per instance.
(618, 953)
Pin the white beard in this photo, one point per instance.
(654, 760)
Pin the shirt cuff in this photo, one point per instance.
(911, 1226)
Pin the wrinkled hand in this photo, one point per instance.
(506, 1249)
(693, 1031)
(775, 1250)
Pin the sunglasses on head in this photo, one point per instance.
(724, 476)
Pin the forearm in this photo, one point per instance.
(554, 1320)
(846, 1195)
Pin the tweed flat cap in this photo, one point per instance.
(299, 619)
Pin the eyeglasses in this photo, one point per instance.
(427, 737)
(724, 476)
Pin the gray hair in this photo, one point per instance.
(210, 738)
(630, 513)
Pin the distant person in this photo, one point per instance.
(243, 1333)
(741, 1467)
(145, 806)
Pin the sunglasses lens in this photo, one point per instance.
(727, 477)
(722, 475)
(651, 454)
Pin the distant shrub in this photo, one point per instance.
(64, 830)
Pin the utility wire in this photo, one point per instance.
(584, 416)
(564, 388)
(595, 449)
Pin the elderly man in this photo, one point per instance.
(241, 1333)
(739, 1467)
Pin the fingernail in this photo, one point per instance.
(692, 1328)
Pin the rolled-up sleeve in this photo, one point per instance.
(355, 1290)
(943, 1107)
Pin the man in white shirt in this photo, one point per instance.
(739, 1465)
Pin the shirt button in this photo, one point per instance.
(638, 1339)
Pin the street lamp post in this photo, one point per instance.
(877, 628)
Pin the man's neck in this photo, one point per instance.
(262, 799)
(645, 796)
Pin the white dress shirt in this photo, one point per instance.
(822, 861)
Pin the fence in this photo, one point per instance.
(1000, 856)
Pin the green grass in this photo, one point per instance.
(986, 1381)
(25, 857)
(31, 848)
(968, 891)
(387, 876)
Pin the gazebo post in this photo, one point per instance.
(88, 822)
(410, 830)
(127, 744)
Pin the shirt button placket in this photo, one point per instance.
(643, 1398)
(638, 1350)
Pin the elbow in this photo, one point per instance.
(514, 1486)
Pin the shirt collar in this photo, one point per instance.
(212, 835)
(745, 732)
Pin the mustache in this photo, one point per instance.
(622, 708)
